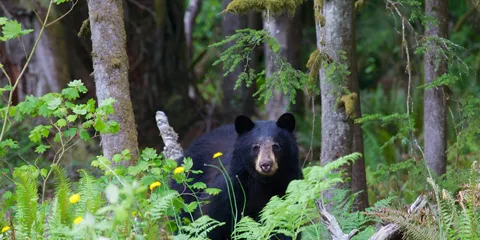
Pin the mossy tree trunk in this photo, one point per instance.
(287, 30)
(110, 66)
(337, 35)
(238, 101)
(435, 117)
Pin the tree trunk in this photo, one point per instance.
(238, 101)
(359, 179)
(338, 34)
(286, 30)
(435, 132)
(110, 64)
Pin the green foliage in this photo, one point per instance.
(451, 218)
(11, 29)
(286, 79)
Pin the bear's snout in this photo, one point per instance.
(266, 167)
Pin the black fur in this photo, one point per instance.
(236, 143)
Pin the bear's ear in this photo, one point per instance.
(287, 122)
(243, 124)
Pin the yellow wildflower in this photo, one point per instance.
(6, 228)
(155, 184)
(74, 198)
(178, 170)
(218, 154)
(77, 220)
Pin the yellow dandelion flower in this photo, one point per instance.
(77, 220)
(178, 170)
(74, 198)
(6, 228)
(155, 184)
(218, 154)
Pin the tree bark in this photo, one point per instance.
(238, 101)
(286, 30)
(359, 179)
(435, 118)
(338, 34)
(110, 66)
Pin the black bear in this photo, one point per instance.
(261, 159)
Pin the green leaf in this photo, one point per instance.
(70, 132)
(72, 118)
(99, 125)
(41, 148)
(149, 154)
(43, 172)
(28, 106)
(113, 127)
(199, 185)
(212, 191)
(70, 93)
(117, 158)
(84, 135)
(39, 132)
(54, 103)
(9, 143)
(187, 164)
(13, 29)
(191, 207)
(3, 21)
(80, 109)
(126, 154)
(61, 123)
(7, 195)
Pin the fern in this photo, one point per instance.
(199, 229)
(26, 198)
(90, 195)
(62, 187)
(160, 204)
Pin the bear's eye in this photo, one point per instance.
(276, 147)
(256, 148)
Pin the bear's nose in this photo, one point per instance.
(266, 166)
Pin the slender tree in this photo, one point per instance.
(335, 36)
(110, 66)
(435, 117)
(287, 31)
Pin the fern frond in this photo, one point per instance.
(63, 192)
(199, 229)
(90, 195)
(26, 197)
(160, 204)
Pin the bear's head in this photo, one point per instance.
(265, 148)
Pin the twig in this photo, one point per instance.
(332, 224)
(172, 149)
(58, 19)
